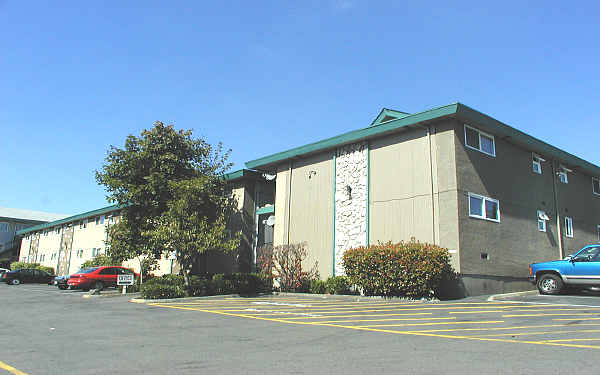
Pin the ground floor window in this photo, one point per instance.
(542, 218)
(481, 207)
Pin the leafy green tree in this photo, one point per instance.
(101, 260)
(148, 177)
(196, 221)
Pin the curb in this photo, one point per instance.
(356, 298)
(108, 295)
(492, 298)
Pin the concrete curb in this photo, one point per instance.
(109, 295)
(355, 298)
(508, 295)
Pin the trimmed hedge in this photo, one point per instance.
(24, 265)
(406, 269)
(338, 285)
(317, 286)
(173, 286)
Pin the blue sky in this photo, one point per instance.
(265, 76)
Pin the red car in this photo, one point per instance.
(98, 277)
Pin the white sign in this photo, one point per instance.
(125, 279)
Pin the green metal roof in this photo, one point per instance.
(387, 113)
(353, 136)
(241, 174)
(458, 110)
(70, 219)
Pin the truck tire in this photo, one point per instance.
(550, 283)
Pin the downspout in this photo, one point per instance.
(558, 227)
(432, 188)
(289, 196)
(368, 193)
(62, 234)
(333, 217)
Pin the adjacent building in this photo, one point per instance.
(13, 220)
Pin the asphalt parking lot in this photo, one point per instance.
(47, 331)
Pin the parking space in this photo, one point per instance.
(547, 324)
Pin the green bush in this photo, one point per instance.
(200, 287)
(410, 269)
(317, 286)
(338, 285)
(100, 260)
(166, 286)
(24, 265)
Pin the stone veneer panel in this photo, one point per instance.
(350, 200)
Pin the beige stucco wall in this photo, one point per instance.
(310, 214)
(403, 173)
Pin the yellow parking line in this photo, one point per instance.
(569, 340)
(540, 333)
(563, 319)
(11, 369)
(337, 316)
(378, 320)
(507, 328)
(432, 324)
(518, 310)
(527, 315)
(413, 333)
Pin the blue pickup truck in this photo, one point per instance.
(577, 271)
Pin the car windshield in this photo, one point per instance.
(87, 270)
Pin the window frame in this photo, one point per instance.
(569, 232)
(479, 134)
(536, 160)
(541, 220)
(483, 210)
(563, 174)
(595, 180)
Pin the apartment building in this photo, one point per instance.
(496, 197)
(13, 220)
(66, 243)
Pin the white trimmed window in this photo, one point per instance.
(99, 220)
(3, 227)
(481, 207)
(480, 141)
(542, 218)
(536, 165)
(80, 253)
(562, 177)
(596, 185)
(598, 229)
(568, 227)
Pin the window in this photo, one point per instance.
(484, 208)
(537, 164)
(102, 219)
(479, 141)
(80, 253)
(562, 177)
(83, 224)
(3, 227)
(542, 218)
(57, 230)
(596, 185)
(568, 227)
(598, 229)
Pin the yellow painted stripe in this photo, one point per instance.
(516, 310)
(542, 333)
(508, 328)
(433, 324)
(526, 315)
(569, 340)
(326, 316)
(11, 369)
(392, 331)
(378, 320)
(563, 319)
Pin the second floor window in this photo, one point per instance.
(484, 208)
(537, 164)
(596, 185)
(480, 141)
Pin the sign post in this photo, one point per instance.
(125, 280)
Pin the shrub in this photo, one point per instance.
(222, 285)
(199, 287)
(410, 269)
(152, 290)
(338, 285)
(283, 264)
(317, 286)
(167, 286)
(25, 265)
